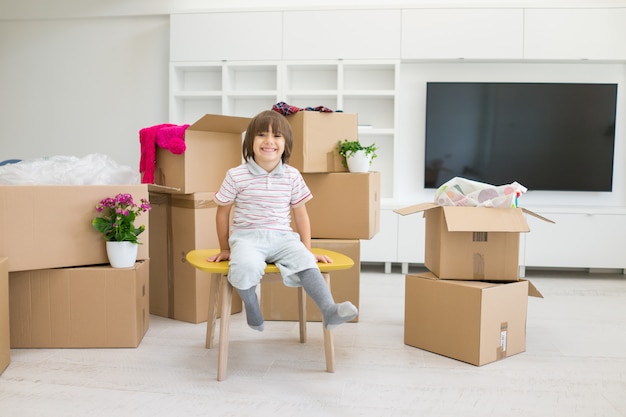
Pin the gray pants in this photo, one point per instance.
(251, 250)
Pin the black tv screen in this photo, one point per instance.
(545, 136)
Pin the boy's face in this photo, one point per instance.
(268, 148)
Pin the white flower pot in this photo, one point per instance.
(122, 254)
(359, 161)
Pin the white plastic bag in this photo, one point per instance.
(93, 169)
(468, 193)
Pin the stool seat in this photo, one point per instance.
(220, 285)
(198, 258)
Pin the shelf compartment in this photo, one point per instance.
(377, 112)
(312, 77)
(248, 105)
(190, 109)
(197, 78)
(251, 78)
(369, 77)
(383, 163)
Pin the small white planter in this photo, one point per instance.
(122, 254)
(359, 161)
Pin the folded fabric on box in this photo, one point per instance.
(165, 136)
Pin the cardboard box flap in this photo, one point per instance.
(532, 290)
(218, 123)
(538, 216)
(482, 219)
(416, 208)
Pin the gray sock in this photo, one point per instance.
(254, 317)
(316, 287)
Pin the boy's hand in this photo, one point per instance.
(323, 258)
(222, 256)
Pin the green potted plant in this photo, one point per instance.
(357, 158)
(117, 225)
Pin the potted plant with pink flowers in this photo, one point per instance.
(117, 225)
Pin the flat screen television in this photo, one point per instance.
(545, 136)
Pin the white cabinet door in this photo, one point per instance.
(577, 240)
(342, 34)
(226, 36)
(411, 238)
(462, 33)
(383, 246)
(575, 34)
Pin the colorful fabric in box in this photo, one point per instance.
(287, 109)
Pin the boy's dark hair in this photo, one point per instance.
(261, 123)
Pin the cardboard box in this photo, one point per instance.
(345, 205)
(5, 335)
(49, 226)
(473, 243)
(315, 139)
(83, 307)
(213, 146)
(279, 302)
(181, 223)
(471, 321)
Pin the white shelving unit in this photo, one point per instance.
(238, 89)
(245, 88)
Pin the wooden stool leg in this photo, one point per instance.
(302, 313)
(213, 302)
(329, 345)
(227, 301)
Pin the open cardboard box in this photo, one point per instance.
(472, 321)
(473, 243)
(213, 146)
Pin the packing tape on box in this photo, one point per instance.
(159, 198)
(193, 204)
(479, 266)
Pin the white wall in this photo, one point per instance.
(79, 77)
(79, 86)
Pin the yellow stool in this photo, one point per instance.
(219, 280)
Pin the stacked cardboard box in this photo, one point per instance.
(179, 224)
(183, 215)
(472, 304)
(47, 233)
(279, 302)
(82, 307)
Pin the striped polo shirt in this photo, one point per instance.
(263, 200)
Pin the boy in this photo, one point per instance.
(262, 192)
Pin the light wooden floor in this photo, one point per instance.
(574, 365)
